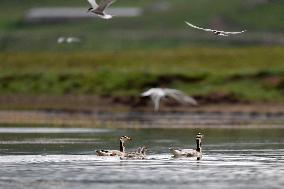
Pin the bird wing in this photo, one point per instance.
(104, 4)
(147, 93)
(233, 32)
(180, 96)
(151, 91)
(223, 34)
(196, 27)
(93, 3)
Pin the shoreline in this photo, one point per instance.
(92, 111)
(144, 120)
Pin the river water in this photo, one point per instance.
(64, 158)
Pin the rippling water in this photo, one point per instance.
(65, 159)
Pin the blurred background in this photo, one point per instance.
(147, 44)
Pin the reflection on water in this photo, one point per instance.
(65, 158)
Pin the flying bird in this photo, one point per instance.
(156, 94)
(216, 32)
(99, 9)
(68, 40)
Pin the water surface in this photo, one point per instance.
(64, 158)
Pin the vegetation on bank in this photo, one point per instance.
(254, 74)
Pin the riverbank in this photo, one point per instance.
(207, 116)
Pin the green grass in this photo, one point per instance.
(247, 73)
(125, 56)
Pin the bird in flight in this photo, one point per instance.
(99, 9)
(216, 32)
(68, 40)
(156, 94)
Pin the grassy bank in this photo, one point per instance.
(252, 74)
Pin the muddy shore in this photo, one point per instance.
(87, 111)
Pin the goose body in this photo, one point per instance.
(140, 153)
(99, 9)
(120, 152)
(109, 153)
(184, 152)
(189, 152)
(156, 94)
(215, 32)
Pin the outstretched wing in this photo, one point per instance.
(93, 3)
(233, 32)
(147, 93)
(180, 96)
(224, 33)
(104, 4)
(196, 27)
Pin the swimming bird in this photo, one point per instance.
(216, 32)
(140, 153)
(119, 152)
(68, 40)
(99, 9)
(189, 152)
(156, 94)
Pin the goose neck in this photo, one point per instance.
(121, 146)
(198, 145)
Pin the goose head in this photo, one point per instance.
(124, 139)
(199, 136)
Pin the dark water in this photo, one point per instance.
(64, 159)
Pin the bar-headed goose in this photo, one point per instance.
(189, 152)
(119, 152)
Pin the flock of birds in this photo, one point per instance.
(99, 10)
(156, 94)
(140, 153)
